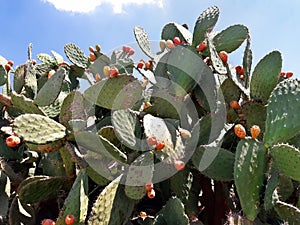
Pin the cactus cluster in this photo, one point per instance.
(181, 137)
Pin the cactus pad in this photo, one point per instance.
(76, 55)
(120, 92)
(288, 212)
(38, 129)
(282, 123)
(287, 159)
(143, 40)
(249, 175)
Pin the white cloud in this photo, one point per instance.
(87, 6)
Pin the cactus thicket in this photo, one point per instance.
(92, 153)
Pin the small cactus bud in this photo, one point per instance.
(224, 57)
(240, 131)
(151, 194)
(141, 64)
(202, 46)
(179, 165)
(7, 67)
(288, 74)
(131, 51)
(170, 44)
(106, 70)
(91, 49)
(126, 48)
(10, 62)
(185, 133)
(143, 215)
(98, 48)
(152, 141)
(234, 105)
(160, 145)
(92, 57)
(147, 105)
(149, 186)
(176, 41)
(239, 70)
(255, 131)
(282, 74)
(147, 65)
(50, 73)
(114, 72)
(162, 45)
(33, 62)
(97, 77)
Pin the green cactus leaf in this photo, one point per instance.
(247, 62)
(249, 175)
(76, 55)
(172, 213)
(172, 30)
(285, 187)
(230, 91)
(7, 152)
(48, 147)
(98, 144)
(215, 59)
(205, 24)
(20, 213)
(53, 109)
(135, 184)
(26, 105)
(77, 201)
(49, 187)
(51, 89)
(30, 81)
(46, 58)
(68, 161)
(3, 76)
(96, 177)
(288, 213)
(265, 76)
(215, 163)
(123, 62)
(19, 78)
(38, 129)
(5, 191)
(231, 38)
(271, 195)
(52, 164)
(72, 108)
(57, 57)
(42, 69)
(112, 206)
(119, 92)
(143, 40)
(127, 128)
(167, 133)
(181, 183)
(108, 132)
(164, 105)
(287, 160)
(282, 123)
(186, 68)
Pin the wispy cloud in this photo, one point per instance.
(87, 6)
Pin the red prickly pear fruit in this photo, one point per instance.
(97, 77)
(70, 219)
(7, 67)
(160, 145)
(143, 215)
(224, 57)
(148, 65)
(91, 49)
(114, 72)
(170, 44)
(242, 77)
(202, 46)
(131, 52)
(48, 222)
(126, 48)
(282, 74)
(239, 70)
(152, 141)
(33, 62)
(289, 74)
(141, 64)
(149, 186)
(234, 105)
(179, 165)
(176, 41)
(151, 194)
(12, 141)
(92, 57)
(240, 131)
(255, 131)
(10, 62)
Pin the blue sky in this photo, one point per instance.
(273, 24)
